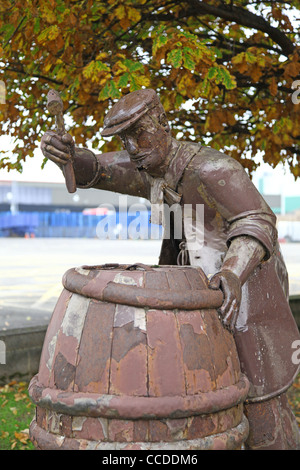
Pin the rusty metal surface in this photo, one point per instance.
(272, 425)
(58, 432)
(160, 288)
(140, 101)
(139, 373)
(137, 407)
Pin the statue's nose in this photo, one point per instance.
(132, 146)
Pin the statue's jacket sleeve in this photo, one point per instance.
(115, 172)
(266, 329)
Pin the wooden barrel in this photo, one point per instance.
(135, 357)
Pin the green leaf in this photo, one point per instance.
(133, 84)
(133, 66)
(212, 73)
(75, 85)
(8, 30)
(93, 68)
(101, 67)
(175, 58)
(104, 93)
(178, 101)
(251, 58)
(221, 76)
(114, 91)
(226, 79)
(110, 90)
(205, 87)
(123, 80)
(49, 33)
(188, 35)
(159, 38)
(188, 62)
(217, 52)
(36, 27)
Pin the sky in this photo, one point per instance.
(32, 171)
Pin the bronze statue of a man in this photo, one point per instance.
(240, 251)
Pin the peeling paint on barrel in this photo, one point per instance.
(114, 375)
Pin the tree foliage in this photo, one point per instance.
(224, 70)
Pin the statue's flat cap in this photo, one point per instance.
(128, 110)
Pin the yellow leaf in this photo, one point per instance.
(102, 55)
(120, 12)
(127, 15)
(143, 81)
(22, 437)
(50, 33)
(47, 67)
(133, 14)
(20, 396)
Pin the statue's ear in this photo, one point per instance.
(163, 121)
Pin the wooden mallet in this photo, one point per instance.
(55, 107)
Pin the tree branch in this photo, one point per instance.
(15, 31)
(245, 18)
(36, 75)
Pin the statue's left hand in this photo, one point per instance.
(231, 287)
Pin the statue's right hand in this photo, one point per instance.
(57, 148)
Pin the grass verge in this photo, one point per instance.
(16, 413)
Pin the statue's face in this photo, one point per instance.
(148, 142)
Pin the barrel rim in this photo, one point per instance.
(76, 281)
(135, 407)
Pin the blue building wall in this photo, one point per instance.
(73, 224)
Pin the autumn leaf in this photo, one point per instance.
(188, 61)
(22, 437)
(175, 58)
(93, 70)
(273, 86)
(127, 15)
(220, 75)
(238, 79)
(159, 39)
(50, 33)
(110, 90)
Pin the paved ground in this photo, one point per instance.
(31, 270)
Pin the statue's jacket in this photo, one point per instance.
(266, 333)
